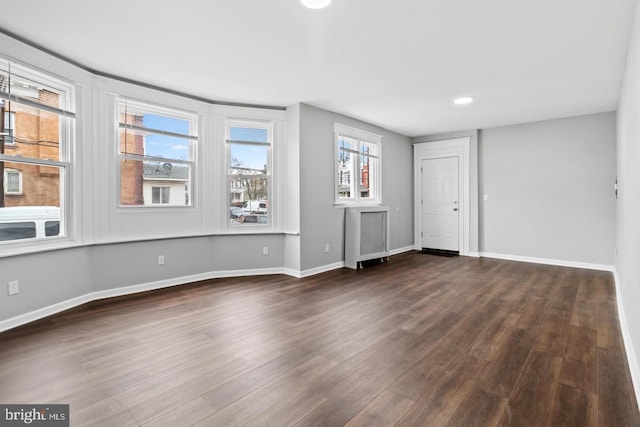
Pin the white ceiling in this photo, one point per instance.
(394, 63)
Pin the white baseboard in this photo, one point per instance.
(40, 313)
(321, 269)
(335, 265)
(402, 250)
(548, 261)
(474, 254)
(626, 336)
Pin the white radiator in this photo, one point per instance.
(366, 234)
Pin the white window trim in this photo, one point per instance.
(67, 150)
(156, 109)
(361, 136)
(248, 123)
(6, 182)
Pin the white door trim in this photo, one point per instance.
(456, 147)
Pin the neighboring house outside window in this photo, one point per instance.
(358, 179)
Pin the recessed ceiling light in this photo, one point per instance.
(465, 100)
(316, 4)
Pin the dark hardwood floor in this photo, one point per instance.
(419, 341)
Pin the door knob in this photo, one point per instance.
(455, 209)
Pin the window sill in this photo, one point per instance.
(372, 203)
(36, 246)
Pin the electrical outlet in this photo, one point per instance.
(326, 248)
(13, 287)
(160, 259)
(265, 250)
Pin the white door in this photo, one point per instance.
(440, 207)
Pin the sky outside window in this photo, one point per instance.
(253, 157)
(166, 146)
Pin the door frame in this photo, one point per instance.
(455, 147)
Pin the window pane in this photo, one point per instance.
(345, 171)
(248, 159)
(140, 116)
(248, 200)
(369, 149)
(36, 185)
(36, 133)
(154, 144)
(348, 143)
(34, 91)
(367, 170)
(169, 124)
(27, 222)
(140, 183)
(249, 134)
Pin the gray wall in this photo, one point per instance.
(628, 203)
(45, 279)
(51, 277)
(550, 189)
(320, 222)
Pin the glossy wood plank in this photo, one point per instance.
(384, 410)
(421, 340)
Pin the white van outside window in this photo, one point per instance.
(29, 222)
(256, 206)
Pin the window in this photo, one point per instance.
(157, 149)
(17, 230)
(51, 228)
(357, 165)
(12, 182)
(160, 195)
(249, 145)
(8, 131)
(38, 114)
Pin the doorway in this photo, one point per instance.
(448, 228)
(440, 206)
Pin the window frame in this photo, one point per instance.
(161, 194)
(249, 123)
(358, 138)
(66, 116)
(7, 171)
(9, 128)
(192, 162)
